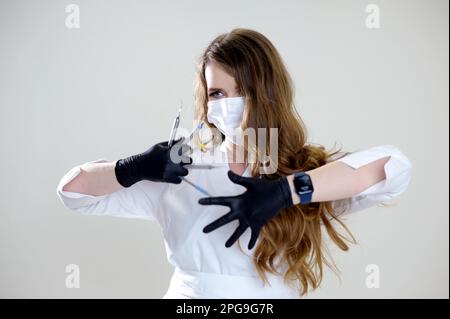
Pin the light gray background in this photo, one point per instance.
(111, 88)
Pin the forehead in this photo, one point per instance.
(216, 77)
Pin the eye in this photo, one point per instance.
(213, 94)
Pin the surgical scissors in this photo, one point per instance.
(173, 133)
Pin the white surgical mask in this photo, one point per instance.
(226, 114)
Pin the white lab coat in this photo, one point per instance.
(204, 267)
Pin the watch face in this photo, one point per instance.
(302, 183)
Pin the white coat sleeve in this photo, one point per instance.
(137, 201)
(398, 175)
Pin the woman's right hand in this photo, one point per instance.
(160, 163)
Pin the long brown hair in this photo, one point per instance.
(294, 236)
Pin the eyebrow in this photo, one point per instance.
(217, 89)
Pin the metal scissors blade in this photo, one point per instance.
(201, 166)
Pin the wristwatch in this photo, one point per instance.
(303, 187)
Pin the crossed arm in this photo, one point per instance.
(263, 199)
(329, 180)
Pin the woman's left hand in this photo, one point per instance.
(262, 200)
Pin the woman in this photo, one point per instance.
(278, 209)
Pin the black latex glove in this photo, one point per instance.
(262, 200)
(155, 164)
